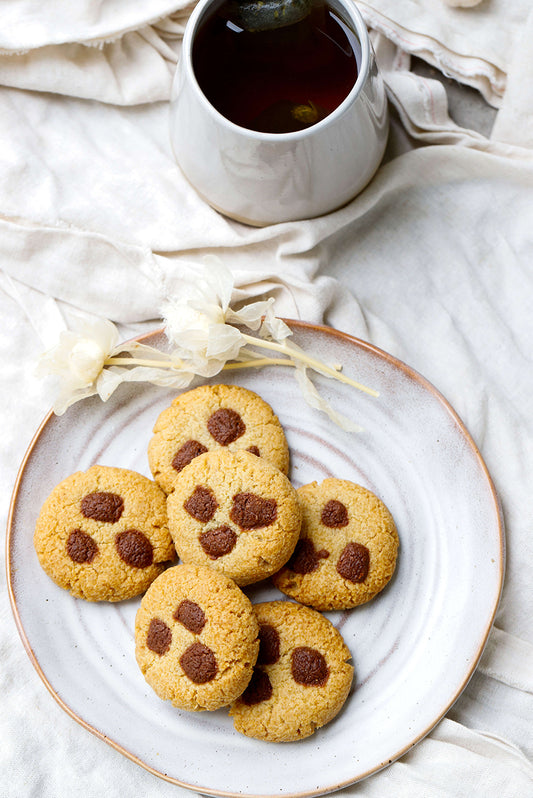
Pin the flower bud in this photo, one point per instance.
(86, 360)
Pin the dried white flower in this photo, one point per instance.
(200, 326)
(87, 362)
(78, 360)
(79, 356)
(199, 321)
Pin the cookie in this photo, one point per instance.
(214, 417)
(236, 513)
(196, 638)
(347, 549)
(102, 534)
(302, 677)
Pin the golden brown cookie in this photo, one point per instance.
(302, 677)
(102, 534)
(213, 417)
(236, 513)
(347, 549)
(196, 638)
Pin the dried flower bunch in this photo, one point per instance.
(205, 337)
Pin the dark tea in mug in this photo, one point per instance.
(271, 73)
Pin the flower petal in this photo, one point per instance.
(313, 398)
(274, 327)
(224, 342)
(112, 377)
(102, 331)
(55, 359)
(180, 320)
(250, 315)
(67, 398)
(219, 279)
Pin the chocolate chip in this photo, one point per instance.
(201, 504)
(191, 616)
(187, 453)
(251, 512)
(81, 547)
(158, 637)
(254, 450)
(259, 688)
(103, 506)
(354, 562)
(306, 558)
(199, 663)
(134, 548)
(334, 514)
(309, 667)
(218, 542)
(268, 645)
(225, 426)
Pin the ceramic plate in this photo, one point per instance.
(414, 647)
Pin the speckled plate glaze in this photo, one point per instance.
(414, 647)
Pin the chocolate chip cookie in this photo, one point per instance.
(212, 417)
(302, 677)
(347, 549)
(196, 638)
(102, 534)
(236, 513)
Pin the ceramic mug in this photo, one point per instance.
(265, 178)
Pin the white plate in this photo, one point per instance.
(414, 647)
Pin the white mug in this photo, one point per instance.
(265, 178)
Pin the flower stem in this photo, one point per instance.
(134, 361)
(310, 361)
(258, 363)
(254, 361)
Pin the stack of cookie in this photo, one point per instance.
(222, 501)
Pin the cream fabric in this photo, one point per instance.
(27, 26)
(474, 45)
(432, 262)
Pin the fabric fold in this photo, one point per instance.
(138, 68)
(473, 45)
(514, 123)
(508, 660)
(27, 25)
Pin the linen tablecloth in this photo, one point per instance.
(432, 262)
